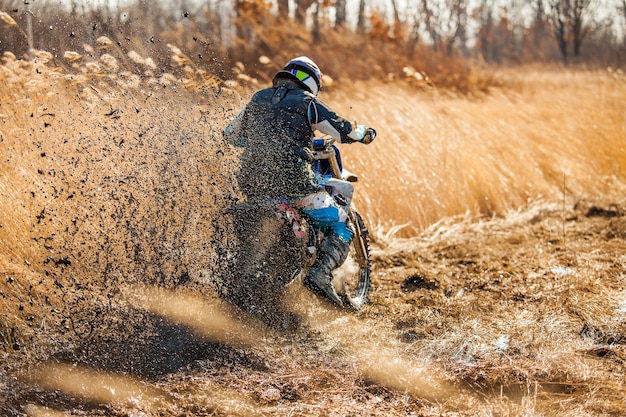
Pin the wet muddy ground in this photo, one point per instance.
(524, 315)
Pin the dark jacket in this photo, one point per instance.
(276, 128)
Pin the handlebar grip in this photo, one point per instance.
(322, 143)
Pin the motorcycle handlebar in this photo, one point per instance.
(319, 144)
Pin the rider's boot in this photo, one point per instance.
(332, 253)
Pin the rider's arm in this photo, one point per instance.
(325, 120)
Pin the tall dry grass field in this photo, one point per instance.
(551, 135)
(115, 177)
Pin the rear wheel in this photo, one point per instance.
(352, 279)
(267, 253)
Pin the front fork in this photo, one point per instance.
(357, 240)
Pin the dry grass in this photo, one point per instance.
(558, 135)
(114, 179)
(529, 307)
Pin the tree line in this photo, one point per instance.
(370, 35)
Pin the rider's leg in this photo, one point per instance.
(331, 254)
(330, 217)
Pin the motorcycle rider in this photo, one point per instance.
(276, 129)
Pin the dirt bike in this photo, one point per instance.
(278, 244)
(352, 279)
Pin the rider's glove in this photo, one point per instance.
(370, 134)
(362, 133)
(304, 154)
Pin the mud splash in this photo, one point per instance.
(103, 186)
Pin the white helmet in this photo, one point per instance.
(305, 71)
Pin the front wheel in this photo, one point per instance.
(352, 279)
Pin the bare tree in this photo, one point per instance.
(414, 29)
(340, 18)
(558, 19)
(396, 12)
(301, 8)
(458, 26)
(484, 15)
(283, 9)
(429, 16)
(317, 27)
(29, 28)
(446, 23)
(624, 12)
(399, 25)
(622, 50)
(361, 17)
(569, 20)
(538, 29)
(579, 11)
(500, 31)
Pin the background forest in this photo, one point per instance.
(435, 42)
